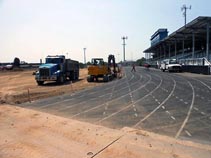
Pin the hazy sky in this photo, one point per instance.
(32, 29)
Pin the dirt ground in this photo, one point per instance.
(20, 86)
(27, 133)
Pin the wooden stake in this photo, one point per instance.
(29, 99)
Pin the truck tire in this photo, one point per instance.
(72, 76)
(110, 77)
(76, 76)
(96, 79)
(90, 79)
(60, 79)
(40, 83)
(105, 78)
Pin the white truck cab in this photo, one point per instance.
(170, 65)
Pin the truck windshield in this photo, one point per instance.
(97, 61)
(54, 60)
(173, 61)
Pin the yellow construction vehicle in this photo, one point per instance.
(99, 69)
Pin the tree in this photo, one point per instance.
(16, 62)
(89, 63)
(141, 61)
(81, 65)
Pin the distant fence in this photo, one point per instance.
(30, 65)
(196, 69)
(196, 65)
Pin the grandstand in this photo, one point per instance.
(190, 45)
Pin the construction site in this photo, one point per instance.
(142, 114)
(157, 106)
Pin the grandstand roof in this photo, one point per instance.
(158, 31)
(197, 26)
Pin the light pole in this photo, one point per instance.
(118, 58)
(85, 57)
(184, 7)
(124, 38)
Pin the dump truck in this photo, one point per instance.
(57, 68)
(99, 69)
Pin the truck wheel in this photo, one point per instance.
(90, 79)
(110, 78)
(163, 70)
(105, 78)
(61, 79)
(40, 83)
(76, 76)
(96, 79)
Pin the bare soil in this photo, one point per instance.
(27, 133)
(20, 86)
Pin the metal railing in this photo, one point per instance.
(195, 61)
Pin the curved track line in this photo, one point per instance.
(203, 83)
(146, 117)
(66, 100)
(112, 99)
(105, 118)
(189, 112)
(130, 85)
(83, 91)
(111, 94)
(73, 105)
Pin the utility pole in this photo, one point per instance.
(85, 57)
(124, 38)
(184, 8)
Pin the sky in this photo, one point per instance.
(33, 29)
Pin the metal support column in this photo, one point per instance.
(175, 49)
(208, 41)
(193, 45)
(183, 47)
(164, 50)
(160, 52)
(169, 50)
